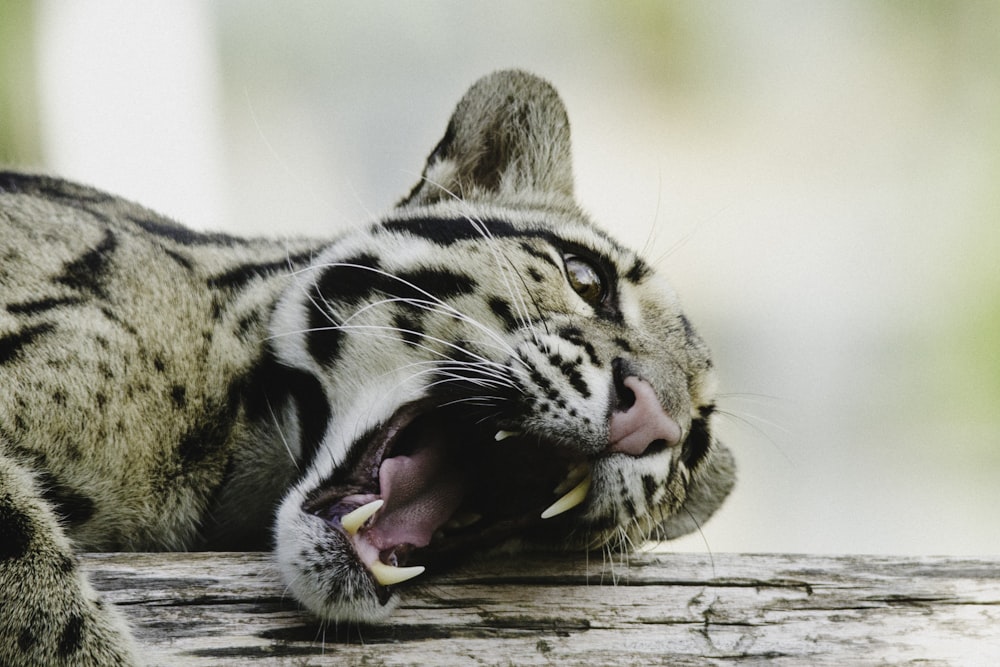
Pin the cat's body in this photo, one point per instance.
(444, 368)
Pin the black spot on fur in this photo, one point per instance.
(348, 281)
(74, 507)
(650, 487)
(689, 331)
(179, 234)
(181, 260)
(239, 276)
(572, 375)
(16, 530)
(212, 429)
(501, 308)
(448, 231)
(437, 283)
(41, 305)
(623, 345)
(699, 439)
(87, 272)
(11, 182)
(626, 498)
(576, 336)
(178, 393)
(11, 344)
(113, 317)
(410, 327)
(272, 384)
(247, 324)
(638, 272)
(66, 564)
(26, 639)
(354, 281)
(72, 636)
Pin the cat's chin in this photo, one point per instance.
(433, 486)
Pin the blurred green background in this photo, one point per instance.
(820, 181)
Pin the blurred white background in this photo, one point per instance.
(820, 181)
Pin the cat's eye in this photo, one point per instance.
(585, 279)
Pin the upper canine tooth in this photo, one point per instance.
(573, 497)
(503, 435)
(387, 575)
(353, 520)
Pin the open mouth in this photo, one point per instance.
(432, 486)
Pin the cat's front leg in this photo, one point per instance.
(49, 614)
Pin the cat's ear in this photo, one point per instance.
(508, 139)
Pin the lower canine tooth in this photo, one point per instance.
(503, 435)
(387, 575)
(573, 497)
(353, 520)
(573, 477)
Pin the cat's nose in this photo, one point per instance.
(638, 420)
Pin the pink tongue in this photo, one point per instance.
(633, 430)
(420, 492)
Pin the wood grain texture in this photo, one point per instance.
(656, 609)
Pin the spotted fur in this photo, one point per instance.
(164, 389)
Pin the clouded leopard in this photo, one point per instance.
(480, 367)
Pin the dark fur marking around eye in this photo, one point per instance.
(448, 231)
(699, 439)
(86, 273)
(12, 344)
(42, 305)
(538, 254)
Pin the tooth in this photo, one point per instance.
(353, 520)
(503, 435)
(573, 477)
(574, 497)
(387, 575)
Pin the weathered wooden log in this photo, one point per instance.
(654, 609)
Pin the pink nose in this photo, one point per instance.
(633, 430)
